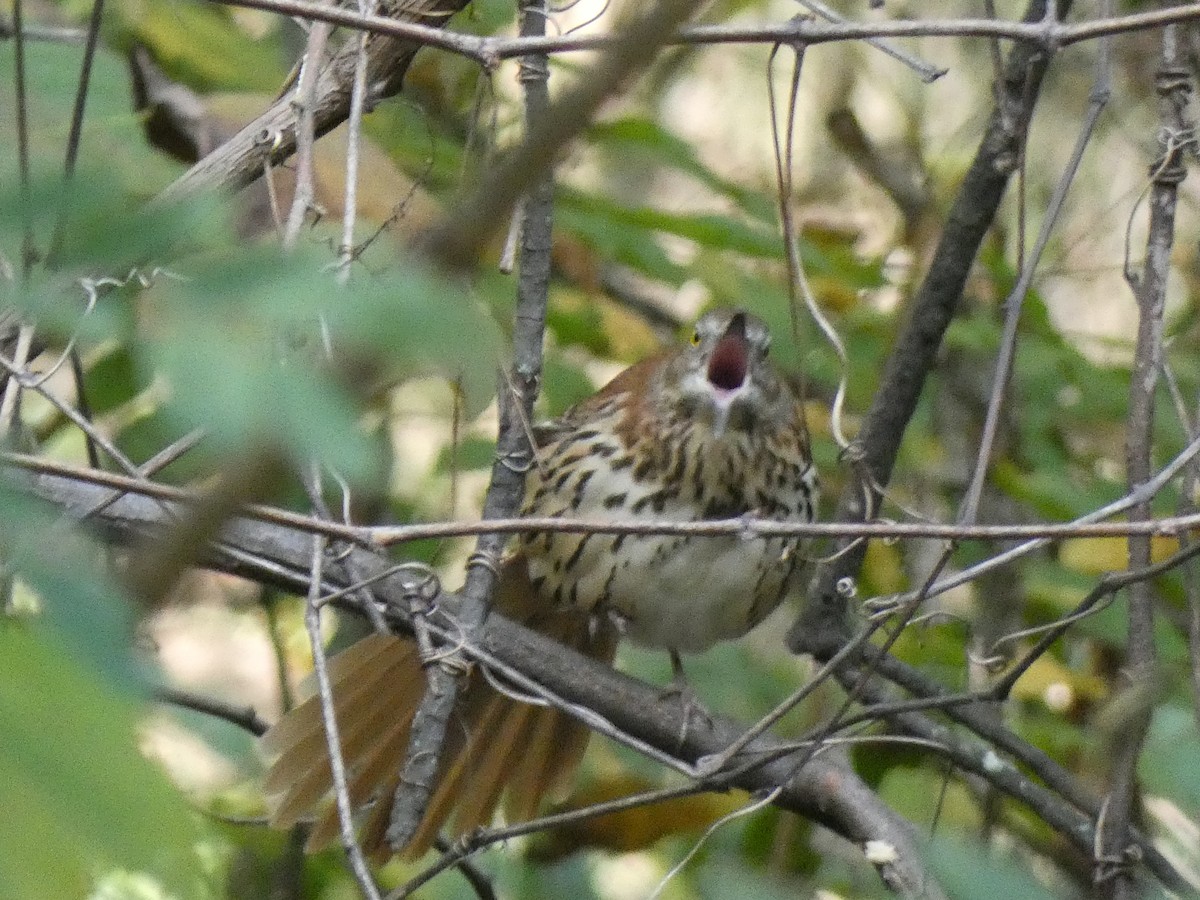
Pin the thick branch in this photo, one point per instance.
(827, 790)
(822, 626)
(514, 455)
(271, 138)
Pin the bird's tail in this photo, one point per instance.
(495, 746)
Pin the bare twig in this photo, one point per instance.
(1144, 492)
(1191, 584)
(358, 101)
(458, 240)
(12, 386)
(926, 72)
(337, 763)
(1038, 534)
(21, 106)
(152, 466)
(242, 716)
(1013, 305)
(822, 626)
(305, 101)
(1109, 585)
(18, 31)
(981, 758)
(271, 138)
(75, 135)
(1113, 873)
(242, 159)
(514, 455)
(1048, 34)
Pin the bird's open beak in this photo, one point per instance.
(728, 368)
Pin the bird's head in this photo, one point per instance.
(723, 380)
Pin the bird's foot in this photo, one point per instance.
(681, 691)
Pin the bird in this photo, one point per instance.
(709, 429)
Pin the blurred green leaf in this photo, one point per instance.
(963, 870)
(113, 380)
(78, 798)
(708, 229)
(145, 435)
(627, 136)
(472, 453)
(112, 145)
(563, 384)
(614, 242)
(1170, 762)
(204, 44)
(79, 600)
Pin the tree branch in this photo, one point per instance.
(1113, 874)
(271, 138)
(827, 790)
(823, 624)
(518, 392)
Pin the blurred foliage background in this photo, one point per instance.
(666, 207)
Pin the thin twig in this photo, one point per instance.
(926, 72)
(12, 386)
(81, 422)
(1143, 493)
(333, 743)
(822, 625)
(826, 790)
(514, 455)
(1108, 586)
(242, 716)
(242, 158)
(305, 99)
(1113, 875)
(1191, 578)
(1048, 34)
(982, 759)
(473, 843)
(152, 466)
(995, 738)
(1037, 535)
(479, 880)
(1015, 301)
(75, 135)
(353, 143)
(18, 31)
(22, 122)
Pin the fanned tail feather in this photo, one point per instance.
(494, 744)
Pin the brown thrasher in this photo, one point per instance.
(702, 432)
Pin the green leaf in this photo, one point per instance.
(613, 241)
(112, 140)
(113, 380)
(563, 384)
(107, 248)
(1170, 761)
(79, 601)
(473, 453)
(239, 345)
(659, 146)
(707, 229)
(78, 798)
(964, 871)
(201, 44)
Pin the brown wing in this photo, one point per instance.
(632, 381)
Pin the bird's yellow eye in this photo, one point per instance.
(695, 337)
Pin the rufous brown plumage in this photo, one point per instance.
(705, 431)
